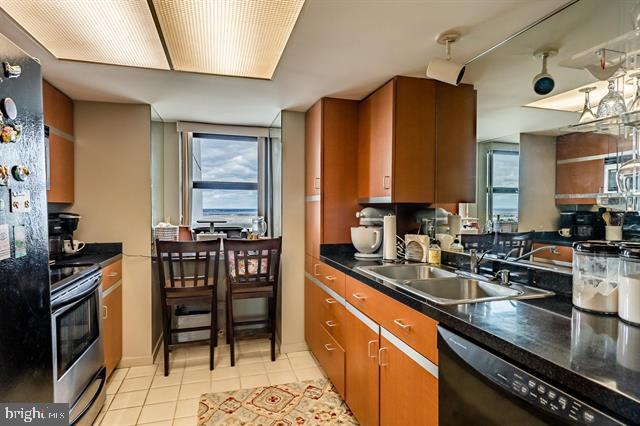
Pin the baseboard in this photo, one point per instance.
(135, 361)
(293, 347)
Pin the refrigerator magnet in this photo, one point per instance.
(4, 175)
(9, 108)
(5, 246)
(9, 134)
(20, 173)
(20, 201)
(11, 71)
(20, 241)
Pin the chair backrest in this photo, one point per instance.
(518, 243)
(187, 264)
(480, 242)
(252, 263)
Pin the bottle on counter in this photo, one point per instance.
(456, 246)
(435, 253)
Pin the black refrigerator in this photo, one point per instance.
(26, 373)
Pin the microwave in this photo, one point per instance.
(610, 184)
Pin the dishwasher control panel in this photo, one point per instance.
(525, 386)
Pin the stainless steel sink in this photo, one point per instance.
(447, 288)
(409, 272)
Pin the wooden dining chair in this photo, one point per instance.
(188, 275)
(252, 269)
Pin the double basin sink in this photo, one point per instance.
(448, 288)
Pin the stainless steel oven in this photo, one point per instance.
(78, 358)
(476, 387)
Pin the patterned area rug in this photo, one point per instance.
(313, 402)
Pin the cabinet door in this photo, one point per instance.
(362, 344)
(61, 170)
(312, 228)
(408, 390)
(583, 178)
(376, 145)
(310, 311)
(331, 357)
(112, 327)
(456, 143)
(313, 146)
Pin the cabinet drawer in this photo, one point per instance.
(111, 274)
(330, 277)
(332, 358)
(332, 316)
(416, 330)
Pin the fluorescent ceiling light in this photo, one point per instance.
(242, 38)
(120, 32)
(573, 100)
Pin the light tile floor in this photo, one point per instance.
(143, 395)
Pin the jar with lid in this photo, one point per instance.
(595, 276)
(629, 285)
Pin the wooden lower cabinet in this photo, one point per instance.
(363, 385)
(112, 326)
(408, 391)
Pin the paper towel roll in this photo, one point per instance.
(389, 238)
(455, 222)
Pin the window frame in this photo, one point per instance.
(492, 189)
(259, 186)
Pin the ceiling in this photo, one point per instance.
(503, 78)
(343, 48)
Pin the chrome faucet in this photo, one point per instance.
(474, 260)
(503, 277)
(552, 249)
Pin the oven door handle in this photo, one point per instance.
(61, 305)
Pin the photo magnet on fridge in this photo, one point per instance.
(5, 246)
(20, 239)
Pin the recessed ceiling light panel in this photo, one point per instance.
(230, 37)
(119, 32)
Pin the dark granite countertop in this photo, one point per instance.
(552, 237)
(594, 357)
(101, 254)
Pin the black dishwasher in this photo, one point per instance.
(476, 387)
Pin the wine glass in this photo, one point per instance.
(587, 113)
(634, 105)
(612, 104)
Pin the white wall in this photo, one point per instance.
(292, 290)
(113, 195)
(536, 202)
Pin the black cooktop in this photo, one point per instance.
(61, 275)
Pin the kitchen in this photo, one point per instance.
(469, 250)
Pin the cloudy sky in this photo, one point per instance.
(228, 161)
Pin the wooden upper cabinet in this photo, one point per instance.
(456, 143)
(58, 108)
(413, 131)
(313, 146)
(58, 116)
(331, 151)
(61, 170)
(312, 228)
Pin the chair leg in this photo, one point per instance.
(214, 314)
(167, 338)
(272, 322)
(231, 337)
(213, 331)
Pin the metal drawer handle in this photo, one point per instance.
(330, 278)
(316, 183)
(400, 324)
(369, 348)
(380, 363)
(315, 269)
(358, 296)
(112, 274)
(330, 301)
(105, 312)
(329, 348)
(331, 323)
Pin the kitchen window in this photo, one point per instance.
(227, 178)
(502, 186)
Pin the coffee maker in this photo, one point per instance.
(61, 228)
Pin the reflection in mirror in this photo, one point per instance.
(546, 172)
